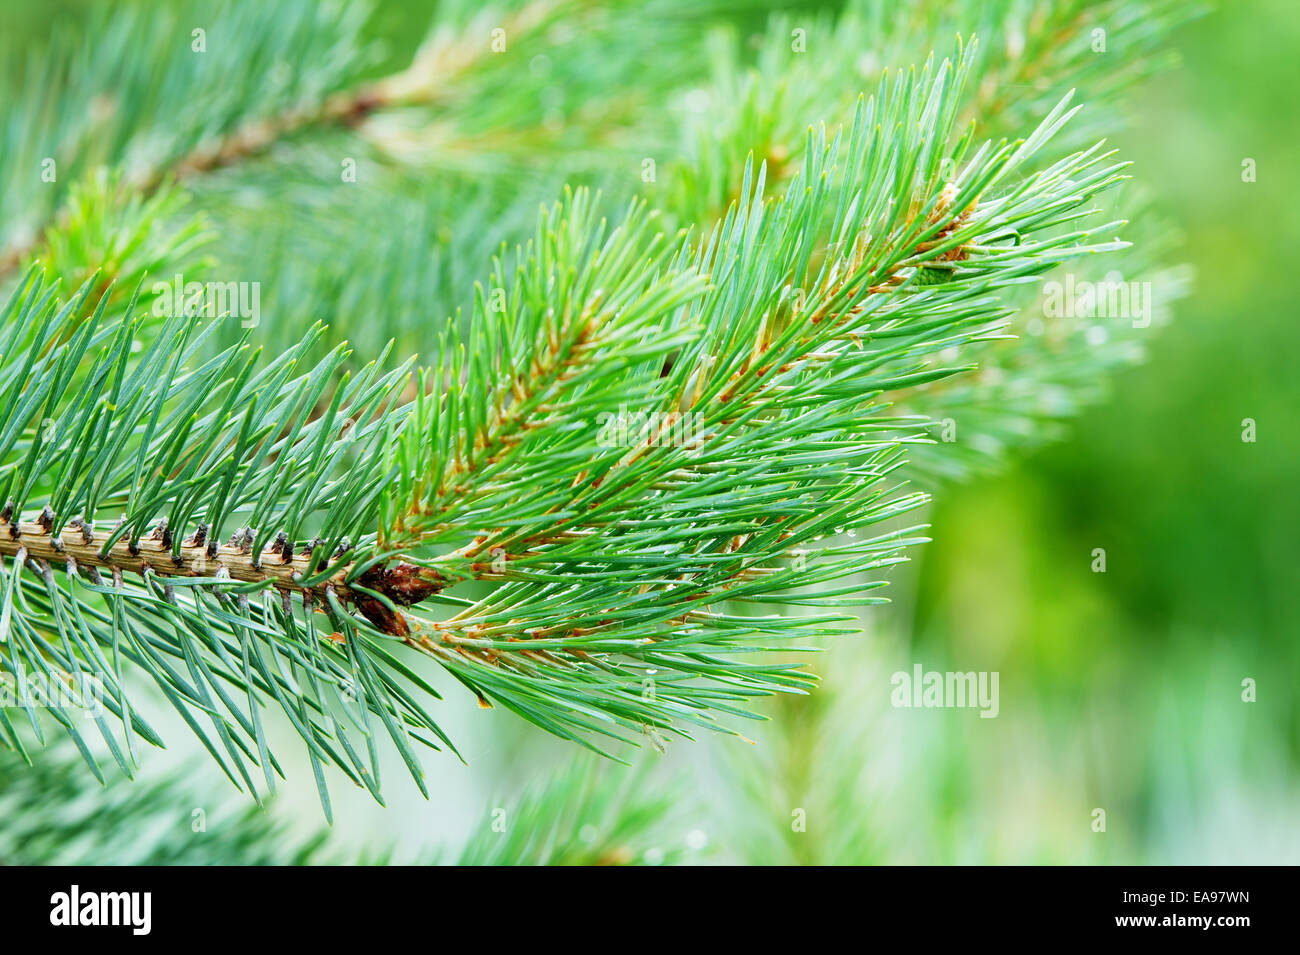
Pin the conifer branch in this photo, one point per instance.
(477, 517)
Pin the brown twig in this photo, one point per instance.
(77, 545)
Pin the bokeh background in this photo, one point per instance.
(1120, 691)
(1123, 690)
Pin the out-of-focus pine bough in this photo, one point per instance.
(583, 814)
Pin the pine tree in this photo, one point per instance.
(671, 432)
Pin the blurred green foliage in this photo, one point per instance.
(1136, 674)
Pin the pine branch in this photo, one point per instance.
(628, 582)
(660, 534)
